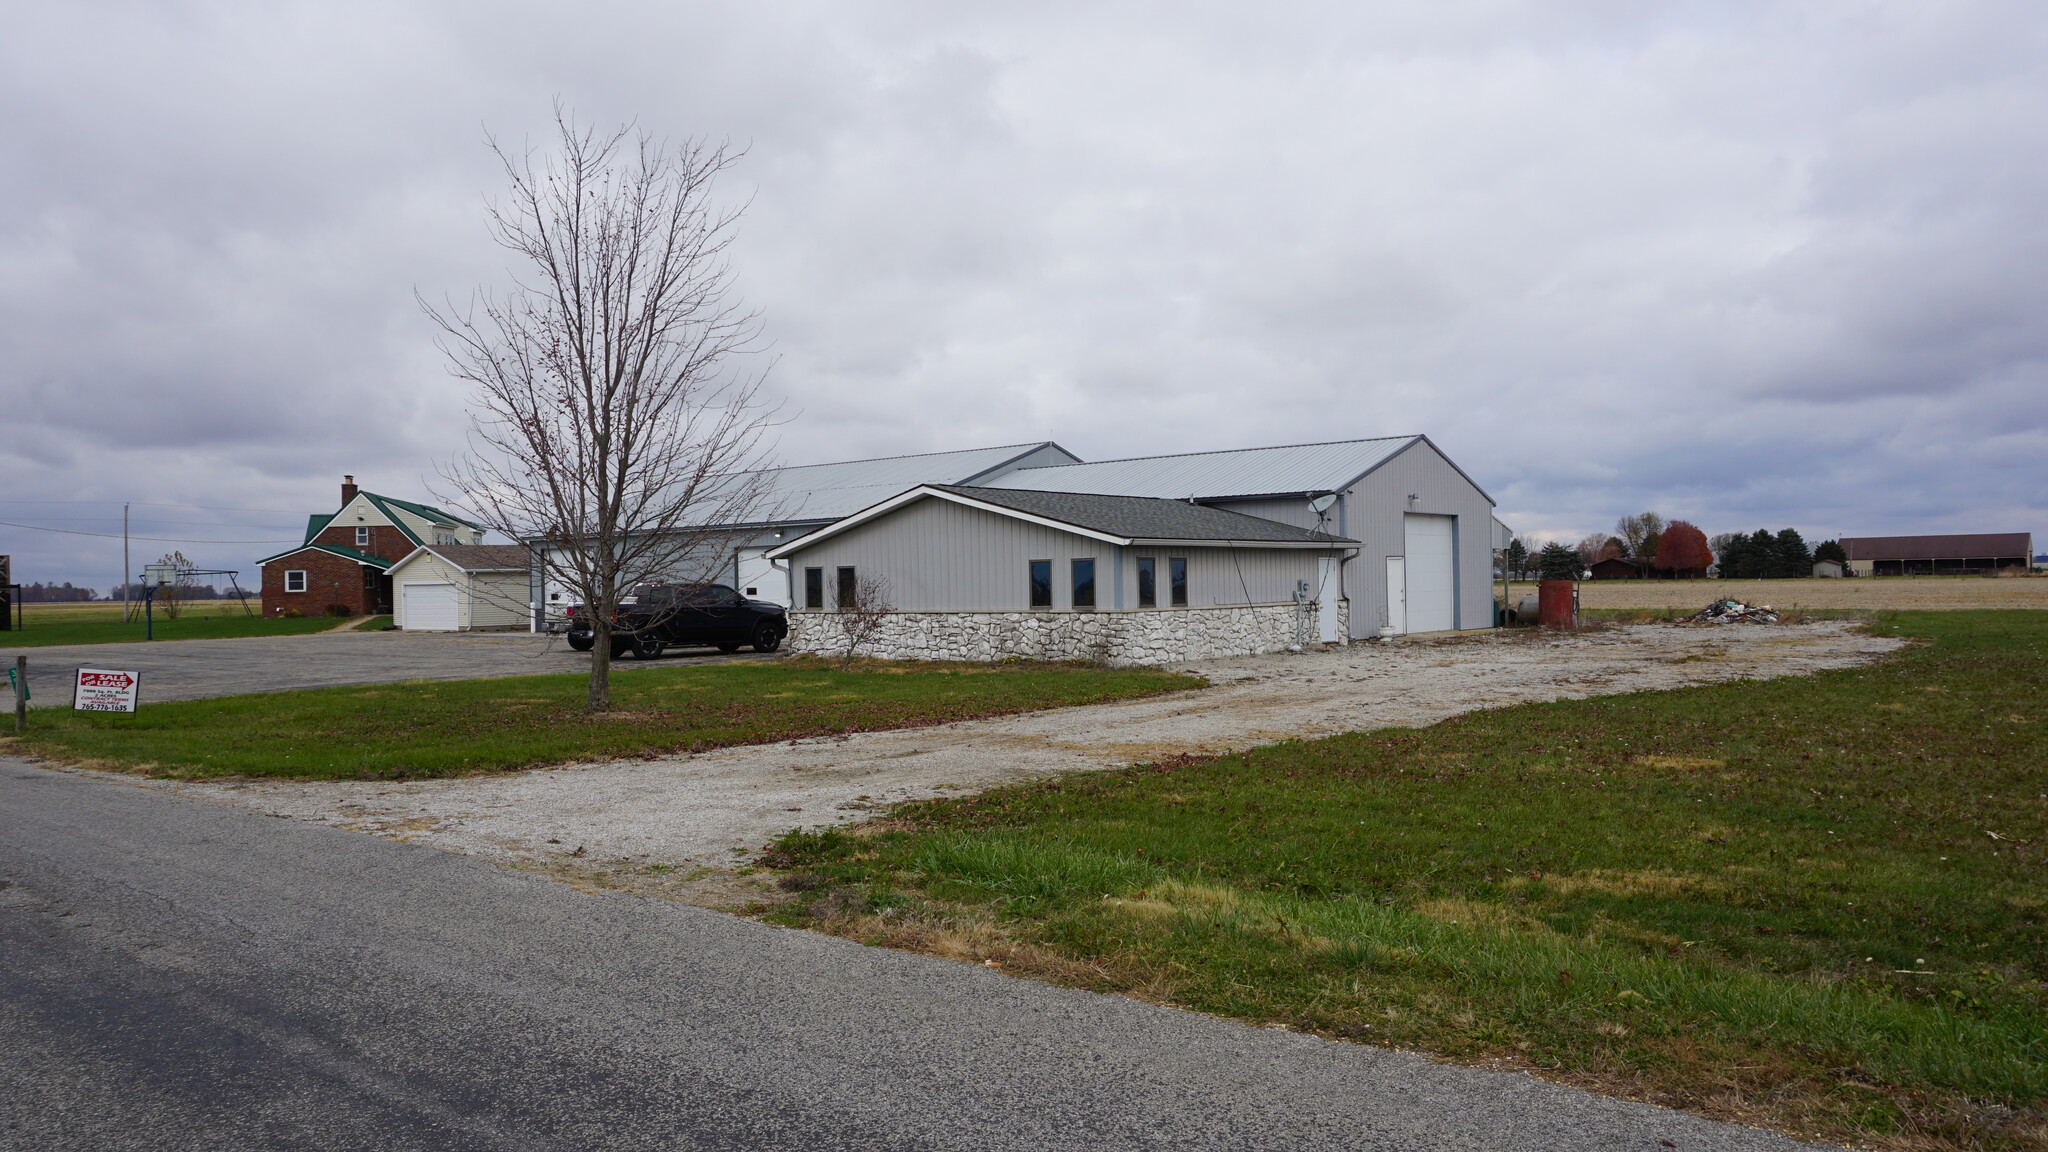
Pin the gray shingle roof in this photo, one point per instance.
(485, 557)
(1145, 517)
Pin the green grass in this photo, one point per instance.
(1814, 902)
(427, 729)
(374, 624)
(51, 624)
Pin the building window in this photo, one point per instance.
(1084, 585)
(1148, 582)
(848, 585)
(362, 537)
(1177, 572)
(295, 580)
(814, 588)
(1041, 583)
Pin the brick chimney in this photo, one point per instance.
(348, 490)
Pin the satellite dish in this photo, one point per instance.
(1321, 504)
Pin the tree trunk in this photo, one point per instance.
(599, 697)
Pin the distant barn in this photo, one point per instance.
(1956, 555)
(1621, 568)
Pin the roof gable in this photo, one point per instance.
(346, 553)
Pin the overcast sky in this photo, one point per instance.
(1748, 264)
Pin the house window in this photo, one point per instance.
(848, 582)
(1041, 583)
(814, 588)
(295, 580)
(362, 537)
(1084, 585)
(1148, 582)
(1177, 573)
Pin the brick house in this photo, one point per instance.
(345, 562)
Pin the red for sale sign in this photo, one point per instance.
(104, 690)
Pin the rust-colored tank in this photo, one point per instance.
(1558, 603)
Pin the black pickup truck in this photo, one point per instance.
(659, 616)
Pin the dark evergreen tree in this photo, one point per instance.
(1830, 550)
(1516, 559)
(1789, 557)
(1558, 562)
(1761, 559)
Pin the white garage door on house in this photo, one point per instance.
(1432, 572)
(429, 607)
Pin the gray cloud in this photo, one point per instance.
(1748, 263)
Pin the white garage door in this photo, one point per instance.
(429, 607)
(1432, 573)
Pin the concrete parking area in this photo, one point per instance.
(195, 669)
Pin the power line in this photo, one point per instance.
(118, 536)
(148, 504)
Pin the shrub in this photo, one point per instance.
(339, 611)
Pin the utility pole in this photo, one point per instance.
(125, 578)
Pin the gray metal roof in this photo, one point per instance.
(1282, 471)
(830, 491)
(1145, 517)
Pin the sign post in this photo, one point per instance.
(17, 676)
(105, 690)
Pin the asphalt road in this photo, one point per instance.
(191, 669)
(178, 975)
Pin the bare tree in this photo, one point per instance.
(1639, 533)
(1592, 549)
(613, 426)
(171, 598)
(862, 615)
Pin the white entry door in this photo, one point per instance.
(1397, 597)
(759, 579)
(429, 607)
(1432, 543)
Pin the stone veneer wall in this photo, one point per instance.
(1152, 636)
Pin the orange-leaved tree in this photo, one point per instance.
(1683, 549)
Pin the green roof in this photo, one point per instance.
(316, 524)
(360, 557)
(386, 503)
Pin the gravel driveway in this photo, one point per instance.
(717, 807)
(192, 669)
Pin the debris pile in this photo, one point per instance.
(1734, 612)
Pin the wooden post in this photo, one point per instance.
(21, 693)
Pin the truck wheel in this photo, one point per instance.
(767, 638)
(647, 648)
(582, 641)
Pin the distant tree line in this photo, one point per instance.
(56, 594)
(1675, 548)
(185, 592)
